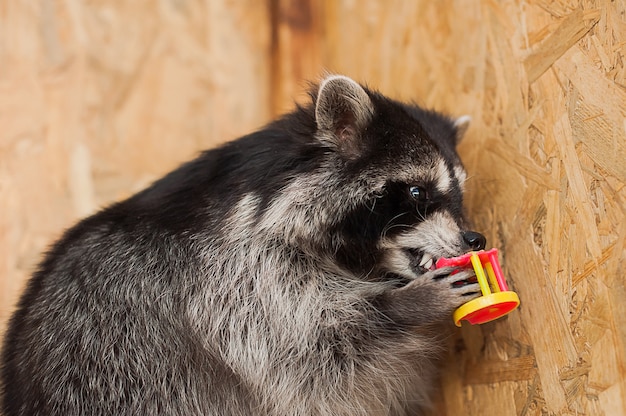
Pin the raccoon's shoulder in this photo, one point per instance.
(209, 186)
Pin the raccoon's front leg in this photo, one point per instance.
(430, 298)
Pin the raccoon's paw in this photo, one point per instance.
(431, 297)
(454, 287)
(463, 282)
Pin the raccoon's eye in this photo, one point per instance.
(418, 193)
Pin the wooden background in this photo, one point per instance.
(99, 98)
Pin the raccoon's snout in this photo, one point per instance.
(475, 241)
(424, 261)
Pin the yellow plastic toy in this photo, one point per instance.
(496, 300)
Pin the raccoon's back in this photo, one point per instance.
(101, 327)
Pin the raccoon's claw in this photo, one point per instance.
(463, 281)
(438, 274)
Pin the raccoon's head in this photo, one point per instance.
(386, 192)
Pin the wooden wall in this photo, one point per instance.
(99, 98)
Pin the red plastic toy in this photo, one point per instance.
(496, 300)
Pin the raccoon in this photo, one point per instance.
(289, 272)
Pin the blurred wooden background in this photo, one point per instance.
(98, 98)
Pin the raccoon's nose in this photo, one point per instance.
(476, 241)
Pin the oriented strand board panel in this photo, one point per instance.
(98, 98)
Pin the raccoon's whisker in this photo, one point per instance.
(389, 225)
(420, 215)
(373, 206)
(469, 177)
(393, 226)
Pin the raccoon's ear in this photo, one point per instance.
(342, 110)
(461, 125)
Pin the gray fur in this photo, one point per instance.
(250, 314)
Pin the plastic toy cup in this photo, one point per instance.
(496, 300)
